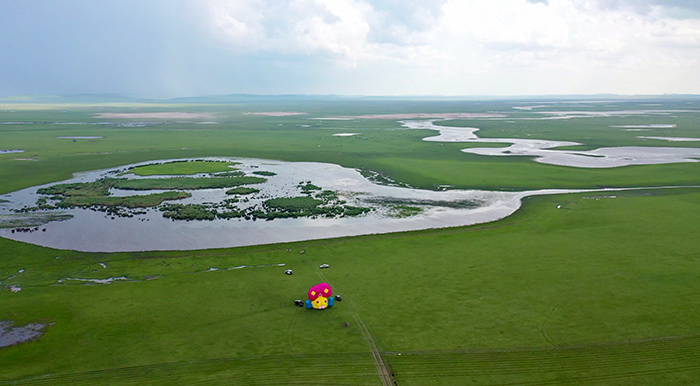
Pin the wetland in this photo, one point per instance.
(101, 212)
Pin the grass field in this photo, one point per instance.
(144, 201)
(182, 168)
(398, 153)
(186, 182)
(591, 288)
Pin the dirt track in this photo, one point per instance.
(384, 374)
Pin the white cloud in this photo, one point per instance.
(238, 23)
(337, 28)
(356, 46)
(359, 30)
(564, 47)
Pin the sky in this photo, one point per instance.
(174, 48)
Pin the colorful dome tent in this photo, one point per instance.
(320, 297)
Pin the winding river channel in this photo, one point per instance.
(88, 230)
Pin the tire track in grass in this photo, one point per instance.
(338, 369)
(543, 330)
(384, 375)
(629, 360)
(376, 355)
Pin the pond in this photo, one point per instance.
(11, 335)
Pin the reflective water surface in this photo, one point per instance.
(544, 151)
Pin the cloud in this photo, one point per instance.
(403, 22)
(337, 28)
(686, 4)
(419, 34)
(187, 47)
(454, 46)
(680, 9)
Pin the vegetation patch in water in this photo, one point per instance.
(381, 178)
(181, 168)
(308, 187)
(290, 204)
(31, 220)
(457, 204)
(138, 201)
(96, 195)
(187, 183)
(188, 212)
(403, 211)
(96, 188)
(323, 204)
(242, 190)
(265, 173)
(100, 188)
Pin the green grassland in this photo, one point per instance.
(182, 168)
(242, 190)
(398, 153)
(187, 182)
(588, 288)
(143, 201)
(294, 203)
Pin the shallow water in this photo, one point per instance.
(544, 150)
(653, 126)
(672, 139)
(99, 232)
(10, 335)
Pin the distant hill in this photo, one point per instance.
(75, 98)
(252, 98)
(282, 98)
